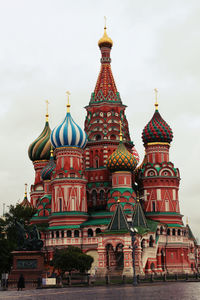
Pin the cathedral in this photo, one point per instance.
(91, 191)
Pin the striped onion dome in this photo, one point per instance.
(48, 169)
(121, 159)
(68, 134)
(40, 148)
(157, 130)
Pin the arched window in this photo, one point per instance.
(97, 137)
(88, 196)
(98, 230)
(52, 234)
(161, 230)
(173, 231)
(168, 231)
(69, 233)
(76, 233)
(179, 232)
(57, 234)
(62, 233)
(113, 137)
(94, 198)
(101, 195)
(90, 232)
(96, 162)
(151, 241)
(142, 243)
(152, 266)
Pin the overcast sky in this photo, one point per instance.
(49, 47)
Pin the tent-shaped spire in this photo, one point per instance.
(25, 201)
(190, 233)
(118, 221)
(139, 219)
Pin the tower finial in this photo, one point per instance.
(25, 194)
(156, 98)
(186, 220)
(120, 131)
(105, 40)
(138, 197)
(68, 105)
(47, 111)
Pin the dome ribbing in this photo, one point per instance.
(157, 130)
(68, 134)
(40, 148)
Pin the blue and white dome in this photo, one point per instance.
(68, 134)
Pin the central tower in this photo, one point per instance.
(104, 113)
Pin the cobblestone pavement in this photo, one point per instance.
(164, 291)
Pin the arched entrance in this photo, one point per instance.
(115, 258)
(162, 260)
(119, 254)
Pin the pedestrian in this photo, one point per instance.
(21, 283)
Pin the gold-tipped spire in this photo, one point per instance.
(186, 220)
(68, 105)
(138, 197)
(51, 151)
(25, 194)
(47, 112)
(105, 38)
(120, 131)
(156, 98)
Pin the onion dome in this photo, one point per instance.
(121, 159)
(48, 169)
(68, 133)
(157, 130)
(105, 40)
(40, 148)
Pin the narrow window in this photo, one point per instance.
(60, 204)
(153, 206)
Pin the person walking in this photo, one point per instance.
(21, 283)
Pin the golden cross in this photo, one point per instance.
(120, 130)
(47, 112)
(26, 189)
(68, 105)
(104, 22)
(47, 103)
(156, 97)
(68, 94)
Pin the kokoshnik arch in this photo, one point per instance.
(89, 187)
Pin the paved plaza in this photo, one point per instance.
(175, 291)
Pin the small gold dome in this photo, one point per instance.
(105, 39)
